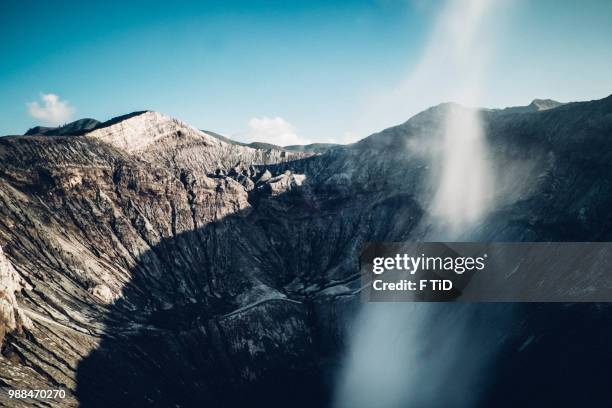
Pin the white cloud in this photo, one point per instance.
(272, 130)
(53, 111)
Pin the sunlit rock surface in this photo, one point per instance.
(169, 141)
(12, 319)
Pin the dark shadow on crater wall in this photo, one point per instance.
(178, 335)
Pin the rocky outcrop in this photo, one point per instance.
(535, 106)
(12, 319)
(283, 183)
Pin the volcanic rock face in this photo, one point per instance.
(12, 319)
(161, 266)
(161, 139)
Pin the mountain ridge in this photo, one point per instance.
(87, 125)
(78, 127)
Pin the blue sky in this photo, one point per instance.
(295, 71)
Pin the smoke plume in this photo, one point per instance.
(435, 355)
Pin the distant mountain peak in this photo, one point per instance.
(544, 104)
(537, 105)
(78, 127)
(137, 130)
(309, 148)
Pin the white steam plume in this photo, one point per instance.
(464, 184)
(415, 355)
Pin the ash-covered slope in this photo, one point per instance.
(160, 138)
(158, 272)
